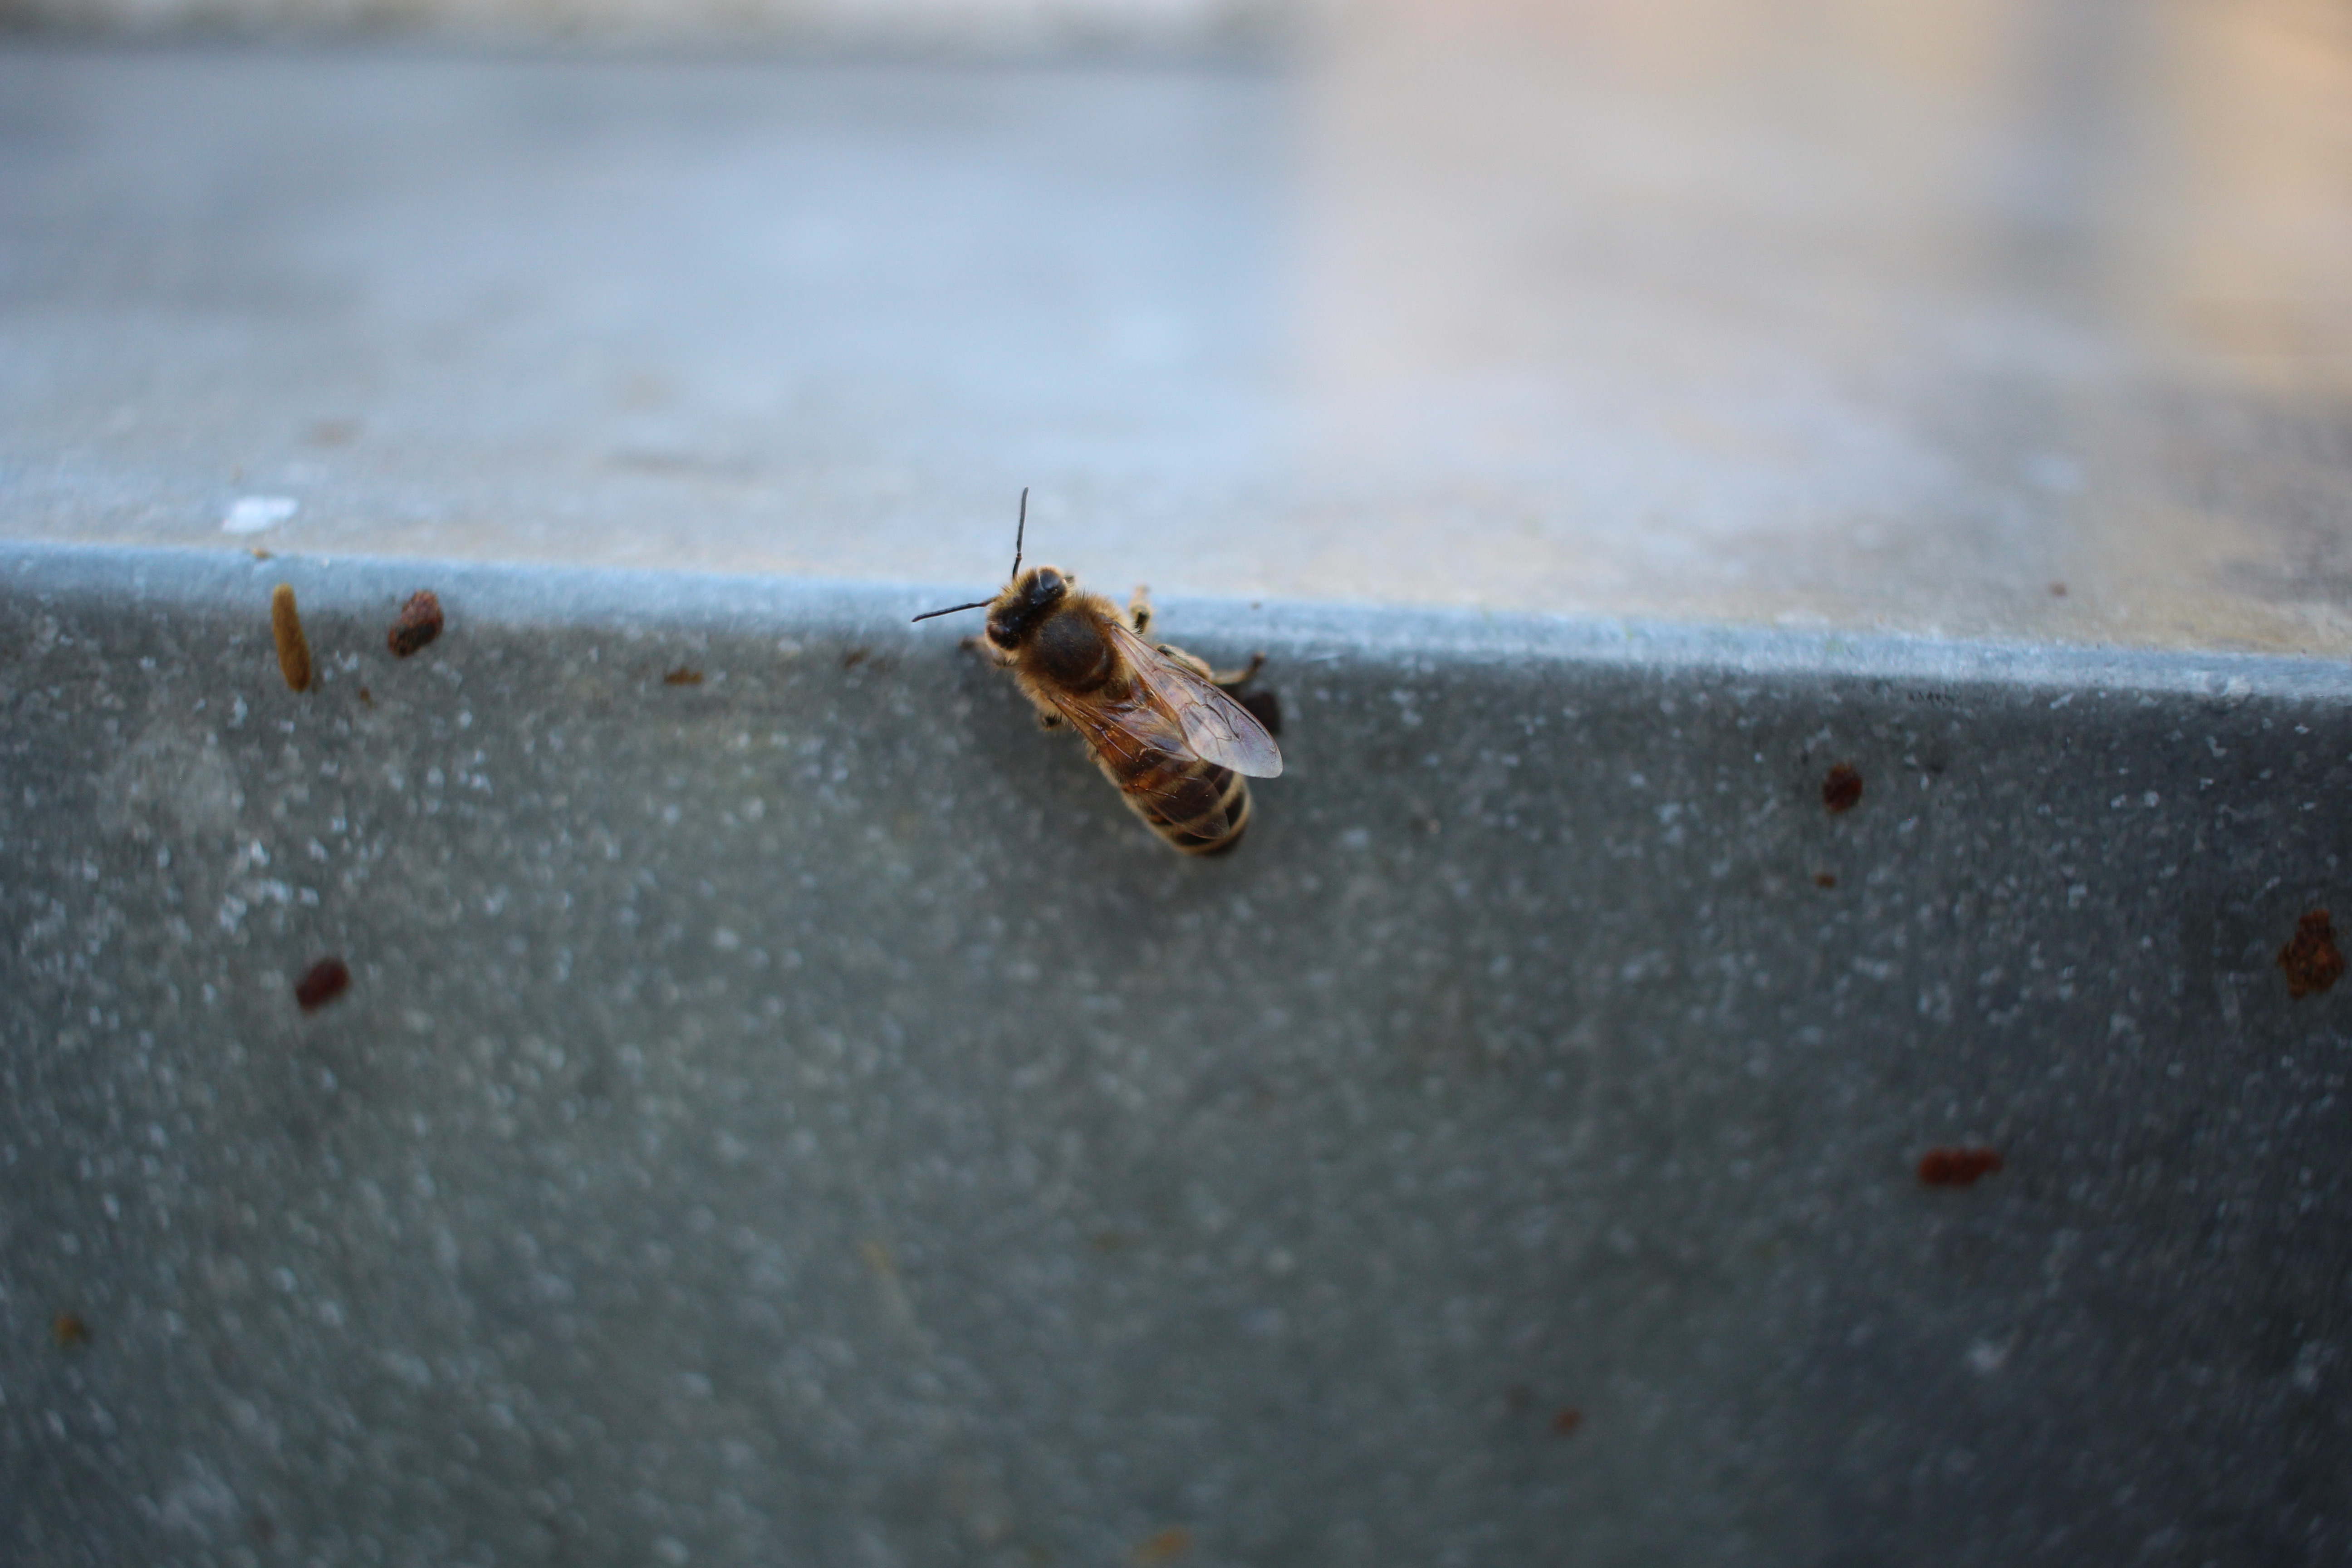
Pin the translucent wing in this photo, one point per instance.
(1130, 733)
(1215, 728)
(1125, 732)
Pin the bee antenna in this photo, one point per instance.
(1020, 532)
(951, 609)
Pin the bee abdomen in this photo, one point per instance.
(1199, 807)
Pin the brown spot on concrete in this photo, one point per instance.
(2310, 958)
(418, 623)
(1958, 1167)
(327, 979)
(1841, 790)
(683, 675)
(1164, 1546)
(286, 630)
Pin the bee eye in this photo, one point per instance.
(1002, 636)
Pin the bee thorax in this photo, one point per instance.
(1068, 651)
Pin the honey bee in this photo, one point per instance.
(1155, 719)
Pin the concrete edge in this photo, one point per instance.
(537, 596)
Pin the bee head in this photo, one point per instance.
(1016, 611)
(1026, 600)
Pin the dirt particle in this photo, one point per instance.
(418, 623)
(286, 630)
(1959, 1166)
(1266, 707)
(367, 696)
(1164, 1546)
(2057, 590)
(68, 1330)
(259, 553)
(853, 658)
(327, 979)
(1841, 790)
(1825, 879)
(1565, 1420)
(683, 675)
(2310, 958)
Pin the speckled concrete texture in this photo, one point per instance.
(786, 1110)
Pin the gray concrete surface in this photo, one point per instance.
(1812, 313)
(986, 27)
(800, 1117)
(795, 1114)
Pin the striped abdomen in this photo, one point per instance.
(1200, 807)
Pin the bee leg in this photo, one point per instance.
(1239, 676)
(981, 649)
(1048, 716)
(1138, 610)
(1199, 667)
(1174, 655)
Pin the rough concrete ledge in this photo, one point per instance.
(537, 597)
(786, 1110)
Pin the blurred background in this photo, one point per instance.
(960, 26)
(2015, 318)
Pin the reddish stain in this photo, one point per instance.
(1824, 879)
(683, 675)
(2310, 958)
(69, 1330)
(328, 979)
(367, 696)
(1565, 1420)
(1842, 791)
(418, 623)
(852, 658)
(1166, 1546)
(2057, 590)
(1958, 1167)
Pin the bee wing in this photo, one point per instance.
(1124, 731)
(1216, 729)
